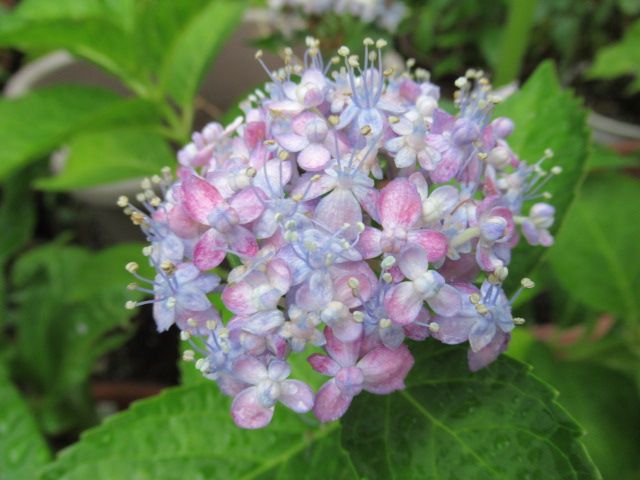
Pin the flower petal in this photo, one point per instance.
(403, 303)
(446, 302)
(413, 262)
(296, 395)
(248, 204)
(208, 252)
(323, 364)
(247, 412)
(384, 370)
(344, 353)
(399, 204)
(369, 243)
(200, 198)
(488, 354)
(331, 402)
(433, 242)
(243, 241)
(314, 158)
(249, 370)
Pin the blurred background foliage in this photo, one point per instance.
(68, 348)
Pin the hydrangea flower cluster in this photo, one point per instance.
(351, 213)
(387, 14)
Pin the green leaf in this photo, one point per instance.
(595, 254)
(22, 449)
(193, 50)
(611, 421)
(17, 214)
(604, 158)
(500, 422)
(187, 432)
(69, 312)
(546, 116)
(101, 31)
(106, 156)
(34, 125)
(622, 58)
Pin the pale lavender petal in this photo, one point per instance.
(481, 334)
(446, 302)
(369, 243)
(344, 353)
(413, 262)
(247, 204)
(296, 395)
(314, 158)
(488, 354)
(249, 370)
(278, 370)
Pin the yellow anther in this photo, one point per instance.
(527, 283)
(132, 267)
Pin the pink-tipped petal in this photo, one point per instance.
(314, 158)
(489, 353)
(399, 204)
(347, 330)
(238, 297)
(403, 303)
(384, 370)
(338, 208)
(433, 242)
(209, 252)
(247, 412)
(344, 353)
(248, 204)
(279, 275)
(296, 395)
(243, 241)
(369, 243)
(201, 198)
(323, 364)
(331, 402)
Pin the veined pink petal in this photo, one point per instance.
(247, 204)
(247, 412)
(243, 241)
(338, 208)
(369, 243)
(453, 330)
(399, 204)
(384, 370)
(296, 395)
(200, 198)
(181, 223)
(238, 297)
(323, 364)
(208, 252)
(344, 353)
(433, 242)
(403, 303)
(314, 157)
(249, 370)
(331, 402)
(279, 275)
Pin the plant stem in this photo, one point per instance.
(515, 38)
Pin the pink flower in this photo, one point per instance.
(379, 371)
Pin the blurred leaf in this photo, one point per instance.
(106, 156)
(501, 422)
(622, 58)
(70, 311)
(34, 125)
(606, 405)
(187, 432)
(604, 158)
(194, 47)
(94, 29)
(22, 449)
(546, 116)
(17, 214)
(595, 256)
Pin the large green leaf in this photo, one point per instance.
(97, 158)
(622, 58)
(70, 311)
(192, 51)
(609, 412)
(22, 449)
(187, 432)
(595, 256)
(17, 214)
(35, 124)
(449, 423)
(546, 116)
(99, 31)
